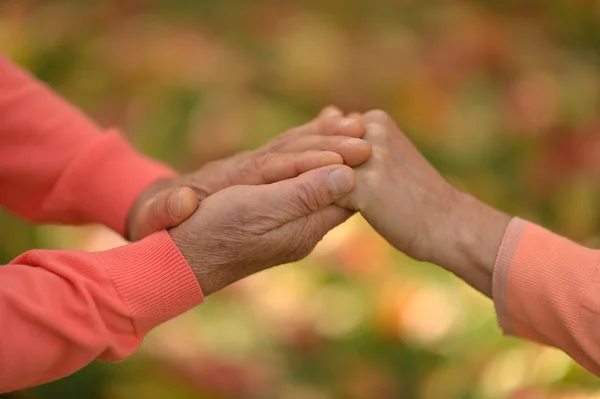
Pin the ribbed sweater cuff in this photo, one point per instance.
(504, 259)
(153, 279)
(540, 283)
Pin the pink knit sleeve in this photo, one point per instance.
(547, 289)
(59, 310)
(56, 165)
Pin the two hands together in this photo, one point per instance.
(259, 209)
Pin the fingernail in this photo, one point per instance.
(340, 181)
(175, 206)
(348, 121)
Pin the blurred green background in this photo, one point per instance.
(502, 96)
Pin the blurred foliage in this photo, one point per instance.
(502, 96)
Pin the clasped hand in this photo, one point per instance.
(273, 205)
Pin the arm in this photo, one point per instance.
(59, 310)
(56, 165)
(545, 287)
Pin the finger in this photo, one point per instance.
(387, 127)
(377, 133)
(356, 115)
(166, 210)
(275, 167)
(378, 116)
(330, 110)
(330, 125)
(338, 125)
(301, 196)
(354, 151)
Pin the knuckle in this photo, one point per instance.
(262, 162)
(381, 153)
(249, 167)
(268, 167)
(377, 116)
(298, 162)
(331, 124)
(330, 110)
(282, 140)
(371, 179)
(377, 132)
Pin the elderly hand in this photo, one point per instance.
(411, 205)
(244, 229)
(329, 139)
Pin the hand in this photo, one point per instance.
(330, 138)
(327, 140)
(244, 229)
(414, 208)
(163, 205)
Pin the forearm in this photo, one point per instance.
(59, 310)
(467, 239)
(56, 165)
(545, 287)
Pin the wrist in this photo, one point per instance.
(210, 273)
(471, 237)
(152, 279)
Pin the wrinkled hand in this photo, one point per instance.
(414, 208)
(329, 139)
(398, 191)
(244, 229)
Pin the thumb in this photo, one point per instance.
(165, 210)
(306, 194)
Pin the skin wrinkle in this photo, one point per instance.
(244, 229)
(297, 168)
(169, 208)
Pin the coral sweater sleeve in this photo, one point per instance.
(547, 289)
(59, 310)
(56, 165)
